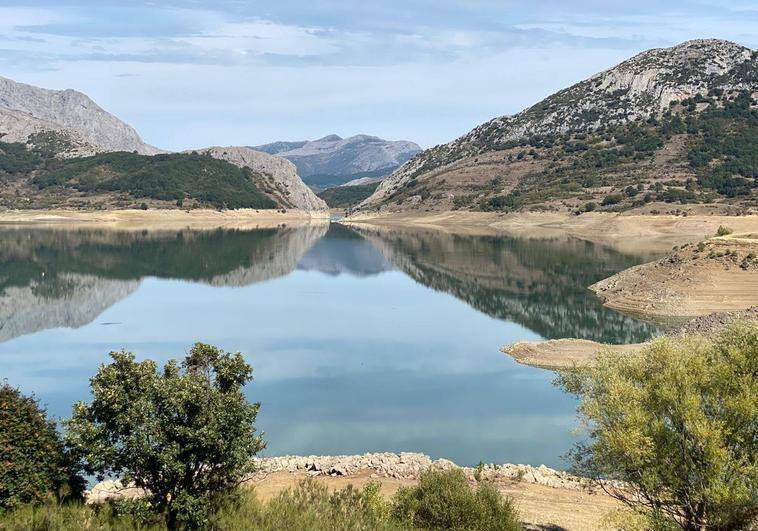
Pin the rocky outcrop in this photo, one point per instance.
(639, 88)
(279, 177)
(26, 110)
(343, 157)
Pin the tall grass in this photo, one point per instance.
(442, 500)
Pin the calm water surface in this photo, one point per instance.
(361, 341)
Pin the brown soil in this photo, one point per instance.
(718, 275)
(168, 219)
(625, 232)
(561, 353)
(540, 507)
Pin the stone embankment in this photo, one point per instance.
(409, 466)
(403, 466)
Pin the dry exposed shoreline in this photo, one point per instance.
(625, 232)
(545, 498)
(561, 353)
(132, 219)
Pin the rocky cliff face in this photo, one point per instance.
(333, 156)
(280, 180)
(640, 89)
(25, 110)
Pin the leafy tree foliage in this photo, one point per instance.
(185, 434)
(34, 466)
(444, 500)
(678, 424)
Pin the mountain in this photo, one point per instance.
(280, 180)
(670, 125)
(60, 149)
(26, 110)
(332, 160)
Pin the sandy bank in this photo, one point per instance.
(566, 353)
(561, 353)
(625, 232)
(545, 498)
(717, 275)
(169, 219)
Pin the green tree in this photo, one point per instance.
(34, 465)
(678, 424)
(185, 434)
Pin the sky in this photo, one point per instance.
(192, 73)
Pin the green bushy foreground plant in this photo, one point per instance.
(678, 424)
(34, 466)
(442, 500)
(185, 434)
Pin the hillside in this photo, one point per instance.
(668, 126)
(332, 160)
(59, 149)
(26, 110)
(347, 196)
(715, 275)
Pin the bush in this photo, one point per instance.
(723, 231)
(444, 500)
(33, 463)
(185, 434)
(612, 199)
(678, 423)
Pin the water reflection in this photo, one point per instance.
(66, 278)
(360, 340)
(539, 283)
(53, 278)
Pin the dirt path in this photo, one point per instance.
(539, 506)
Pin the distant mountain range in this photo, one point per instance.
(333, 161)
(58, 148)
(669, 126)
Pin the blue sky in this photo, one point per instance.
(191, 73)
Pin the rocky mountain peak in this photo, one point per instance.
(635, 90)
(26, 110)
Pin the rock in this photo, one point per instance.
(26, 109)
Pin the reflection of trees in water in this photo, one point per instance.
(66, 278)
(540, 284)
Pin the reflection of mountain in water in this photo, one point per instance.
(344, 251)
(66, 278)
(540, 284)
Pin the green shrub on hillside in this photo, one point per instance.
(168, 177)
(347, 196)
(34, 467)
(678, 424)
